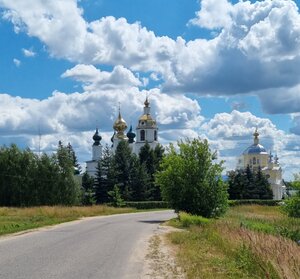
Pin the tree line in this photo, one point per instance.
(27, 179)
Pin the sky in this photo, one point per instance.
(213, 69)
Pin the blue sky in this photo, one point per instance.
(212, 68)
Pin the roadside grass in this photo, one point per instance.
(14, 220)
(251, 241)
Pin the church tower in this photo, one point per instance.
(146, 130)
(119, 126)
(91, 166)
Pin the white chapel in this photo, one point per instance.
(256, 156)
(146, 131)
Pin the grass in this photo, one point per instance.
(251, 241)
(14, 220)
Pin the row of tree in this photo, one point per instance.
(124, 175)
(248, 184)
(27, 179)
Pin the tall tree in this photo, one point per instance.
(191, 180)
(121, 164)
(104, 180)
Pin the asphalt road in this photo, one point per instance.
(100, 247)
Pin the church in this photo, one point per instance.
(146, 131)
(256, 156)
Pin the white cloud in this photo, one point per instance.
(94, 79)
(213, 14)
(28, 52)
(17, 62)
(256, 49)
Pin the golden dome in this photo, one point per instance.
(120, 126)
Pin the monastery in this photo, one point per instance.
(256, 156)
(146, 131)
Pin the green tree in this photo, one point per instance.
(88, 191)
(121, 167)
(292, 204)
(116, 197)
(151, 159)
(139, 180)
(191, 180)
(263, 186)
(104, 180)
(68, 188)
(72, 154)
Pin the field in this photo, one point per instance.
(19, 219)
(251, 241)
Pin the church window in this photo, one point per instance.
(142, 135)
(155, 135)
(254, 160)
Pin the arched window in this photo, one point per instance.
(254, 161)
(155, 135)
(142, 135)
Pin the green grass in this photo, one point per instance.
(14, 220)
(251, 241)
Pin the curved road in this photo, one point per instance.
(99, 247)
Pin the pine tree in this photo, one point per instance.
(104, 181)
(76, 165)
(120, 169)
(139, 180)
(88, 193)
(263, 186)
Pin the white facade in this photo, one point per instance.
(256, 156)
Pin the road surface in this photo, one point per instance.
(99, 247)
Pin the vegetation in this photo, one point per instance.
(27, 179)
(248, 184)
(124, 176)
(292, 204)
(191, 181)
(251, 241)
(19, 219)
(147, 204)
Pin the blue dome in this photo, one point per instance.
(255, 149)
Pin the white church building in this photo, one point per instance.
(256, 156)
(146, 131)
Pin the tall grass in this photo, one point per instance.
(243, 244)
(18, 219)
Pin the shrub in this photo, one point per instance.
(292, 206)
(188, 220)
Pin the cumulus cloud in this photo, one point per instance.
(94, 79)
(213, 14)
(28, 52)
(256, 46)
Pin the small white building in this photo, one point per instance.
(256, 156)
(146, 131)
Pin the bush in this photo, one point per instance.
(292, 206)
(147, 204)
(258, 202)
(188, 220)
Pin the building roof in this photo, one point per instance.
(255, 149)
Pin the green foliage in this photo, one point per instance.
(187, 220)
(29, 180)
(116, 197)
(88, 194)
(292, 204)
(147, 204)
(248, 184)
(190, 180)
